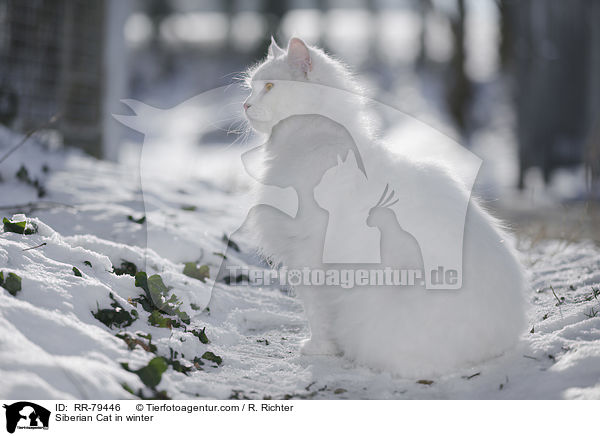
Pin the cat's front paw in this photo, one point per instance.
(312, 347)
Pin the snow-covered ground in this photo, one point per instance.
(52, 346)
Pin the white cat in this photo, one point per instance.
(310, 107)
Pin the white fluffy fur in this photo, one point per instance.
(411, 332)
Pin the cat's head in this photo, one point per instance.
(279, 84)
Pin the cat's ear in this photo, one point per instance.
(299, 56)
(274, 50)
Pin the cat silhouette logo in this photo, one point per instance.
(26, 415)
(369, 203)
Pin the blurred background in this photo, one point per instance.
(515, 81)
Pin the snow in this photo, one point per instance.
(52, 347)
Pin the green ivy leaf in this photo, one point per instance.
(150, 374)
(12, 283)
(16, 227)
(156, 286)
(133, 342)
(231, 243)
(191, 270)
(23, 174)
(116, 316)
(141, 280)
(77, 272)
(209, 355)
(141, 220)
(158, 320)
(19, 227)
(180, 367)
(201, 334)
(156, 297)
(128, 268)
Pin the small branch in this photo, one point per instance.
(592, 313)
(28, 135)
(36, 205)
(32, 248)
(469, 377)
(556, 296)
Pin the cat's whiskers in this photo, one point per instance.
(243, 131)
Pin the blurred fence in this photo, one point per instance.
(554, 48)
(51, 61)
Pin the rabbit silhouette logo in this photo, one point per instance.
(26, 415)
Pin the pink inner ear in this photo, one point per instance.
(299, 56)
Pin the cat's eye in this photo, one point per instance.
(268, 86)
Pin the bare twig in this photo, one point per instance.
(32, 248)
(469, 377)
(28, 135)
(592, 313)
(556, 296)
(309, 386)
(36, 205)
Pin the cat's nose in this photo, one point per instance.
(246, 106)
